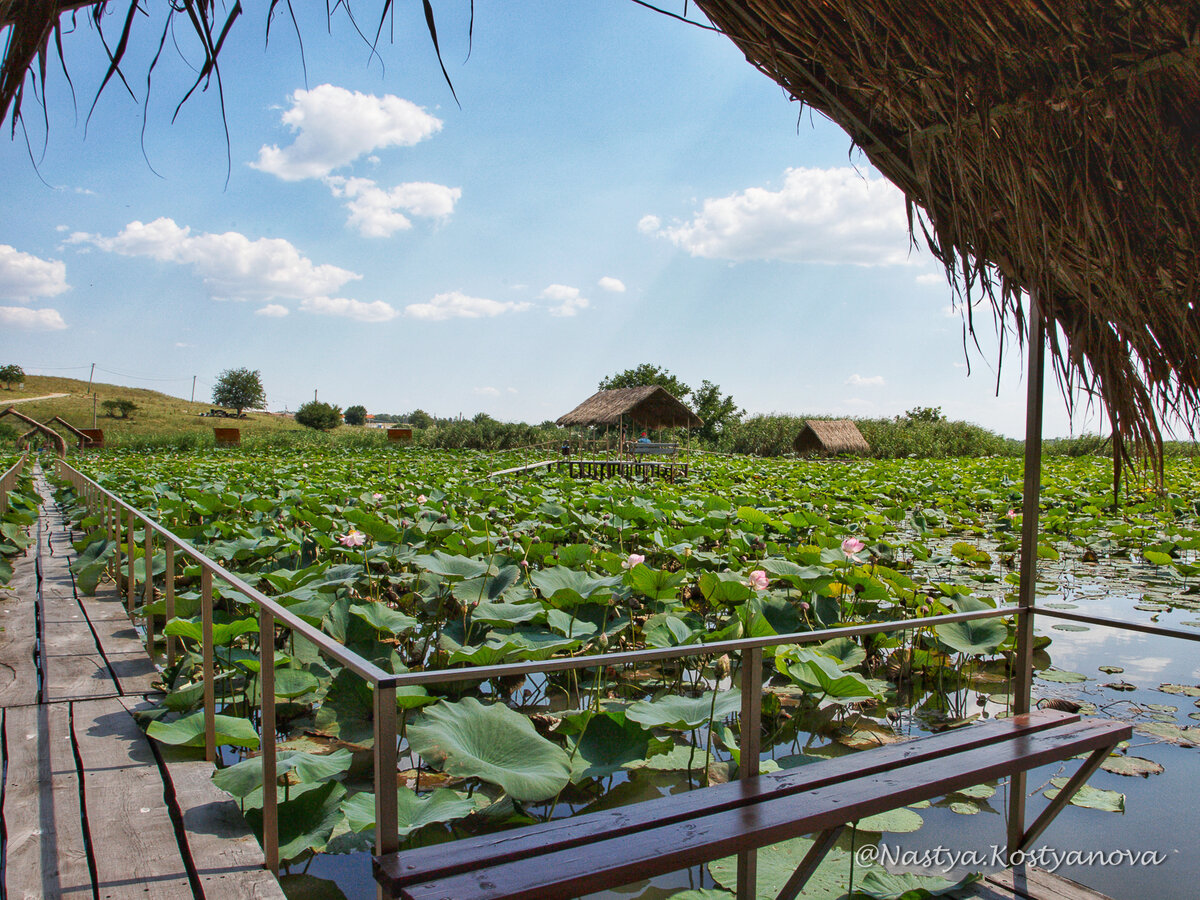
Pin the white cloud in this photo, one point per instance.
(24, 276)
(568, 300)
(272, 311)
(31, 319)
(935, 278)
(350, 309)
(649, 224)
(232, 265)
(608, 283)
(457, 305)
(834, 216)
(857, 380)
(375, 212)
(487, 391)
(334, 127)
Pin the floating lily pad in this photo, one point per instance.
(776, 864)
(1060, 676)
(1187, 690)
(1131, 765)
(882, 885)
(1062, 626)
(1112, 670)
(1089, 797)
(964, 808)
(978, 791)
(1120, 686)
(894, 821)
(1172, 734)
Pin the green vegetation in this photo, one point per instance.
(119, 409)
(319, 415)
(240, 389)
(11, 374)
(356, 415)
(414, 559)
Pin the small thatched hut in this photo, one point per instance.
(648, 406)
(829, 438)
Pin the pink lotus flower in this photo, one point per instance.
(377, 496)
(759, 580)
(352, 538)
(633, 560)
(852, 546)
(1012, 514)
(421, 498)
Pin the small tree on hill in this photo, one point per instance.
(420, 419)
(318, 415)
(11, 374)
(119, 409)
(717, 412)
(924, 414)
(356, 415)
(240, 389)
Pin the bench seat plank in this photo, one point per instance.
(624, 845)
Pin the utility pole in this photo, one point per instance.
(314, 395)
(193, 388)
(90, 375)
(93, 408)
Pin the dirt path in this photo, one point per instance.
(31, 399)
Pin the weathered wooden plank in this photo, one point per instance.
(135, 672)
(18, 635)
(224, 852)
(1028, 882)
(46, 853)
(133, 839)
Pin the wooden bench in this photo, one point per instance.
(652, 448)
(571, 857)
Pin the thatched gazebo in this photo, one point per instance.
(648, 406)
(830, 437)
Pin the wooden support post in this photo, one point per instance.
(210, 691)
(148, 593)
(130, 582)
(266, 679)
(387, 816)
(750, 746)
(169, 598)
(1023, 676)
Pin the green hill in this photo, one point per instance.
(157, 416)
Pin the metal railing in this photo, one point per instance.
(120, 521)
(9, 480)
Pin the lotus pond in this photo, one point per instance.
(416, 559)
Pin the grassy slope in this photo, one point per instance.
(156, 413)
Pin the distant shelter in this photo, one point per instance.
(830, 437)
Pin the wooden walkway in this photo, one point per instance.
(600, 469)
(90, 807)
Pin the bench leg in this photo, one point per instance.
(1090, 765)
(812, 859)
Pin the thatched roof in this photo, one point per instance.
(830, 436)
(1048, 147)
(649, 406)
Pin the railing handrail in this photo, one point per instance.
(334, 648)
(9, 478)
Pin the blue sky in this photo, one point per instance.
(617, 188)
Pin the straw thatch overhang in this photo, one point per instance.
(1047, 147)
(649, 406)
(830, 437)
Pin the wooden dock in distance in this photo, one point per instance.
(599, 469)
(91, 807)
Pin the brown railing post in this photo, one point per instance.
(148, 594)
(750, 750)
(266, 680)
(210, 691)
(130, 583)
(1031, 499)
(387, 823)
(169, 597)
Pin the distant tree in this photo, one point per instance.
(318, 415)
(240, 389)
(924, 414)
(11, 374)
(647, 374)
(717, 412)
(119, 409)
(356, 415)
(420, 419)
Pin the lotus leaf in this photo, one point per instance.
(976, 637)
(493, 743)
(1090, 797)
(189, 731)
(415, 810)
(306, 820)
(382, 617)
(608, 743)
(242, 778)
(684, 713)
